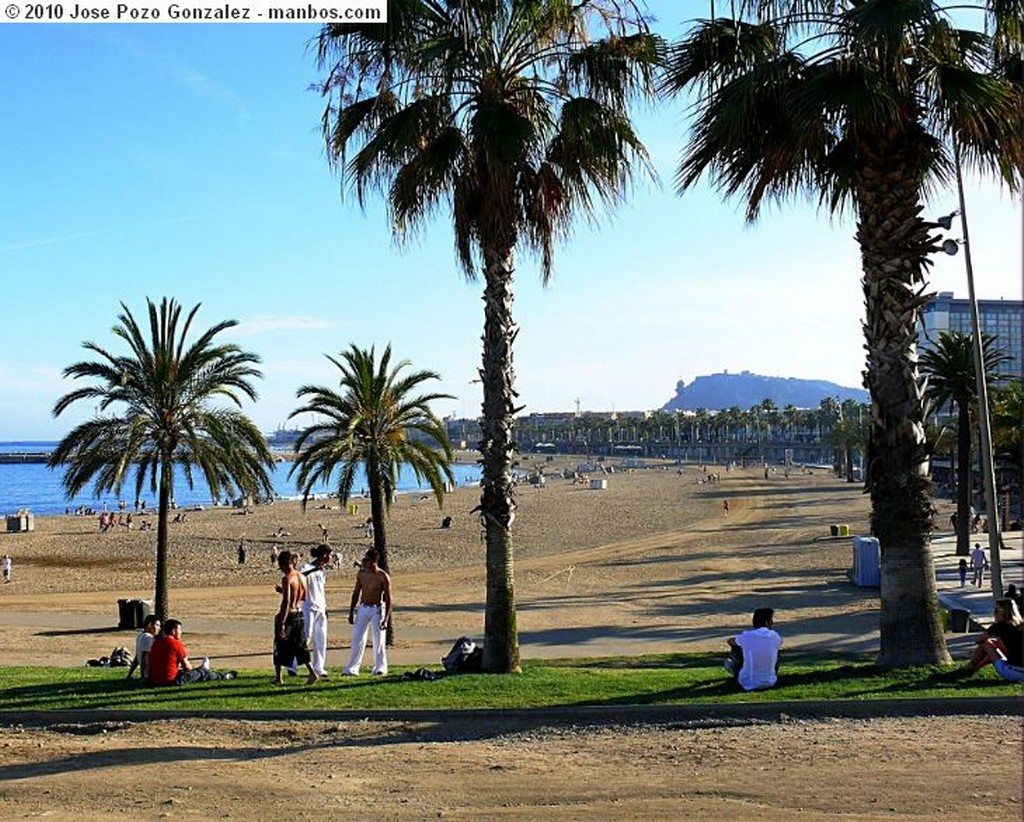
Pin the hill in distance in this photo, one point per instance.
(716, 392)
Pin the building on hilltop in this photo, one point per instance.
(1003, 319)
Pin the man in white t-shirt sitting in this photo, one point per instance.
(754, 655)
(143, 645)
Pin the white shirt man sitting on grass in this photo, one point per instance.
(754, 655)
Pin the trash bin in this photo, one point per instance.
(866, 562)
(125, 614)
(844, 530)
(959, 620)
(833, 530)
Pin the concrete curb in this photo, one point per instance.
(695, 714)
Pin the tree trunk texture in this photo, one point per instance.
(964, 480)
(497, 448)
(895, 245)
(161, 599)
(380, 544)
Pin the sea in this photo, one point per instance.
(33, 487)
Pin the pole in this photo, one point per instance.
(987, 467)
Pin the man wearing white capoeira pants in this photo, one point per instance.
(314, 606)
(372, 597)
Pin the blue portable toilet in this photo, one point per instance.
(867, 562)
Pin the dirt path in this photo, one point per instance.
(880, 769)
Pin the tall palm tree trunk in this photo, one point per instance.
(497, 504)
(963, 479)
(380, 544)
(894, 245)
(162, 514)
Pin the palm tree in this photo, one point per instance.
(376, 421)
(165, 400)
(1008, 435)
(849, 434)
(512, 116)
(857, 102)
(950, 379)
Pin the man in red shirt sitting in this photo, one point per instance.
(169, 663)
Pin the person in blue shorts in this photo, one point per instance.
(1001, 644)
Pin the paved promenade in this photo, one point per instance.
(978, 602)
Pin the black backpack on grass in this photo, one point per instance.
(464, 657)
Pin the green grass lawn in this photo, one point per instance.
(672, 679)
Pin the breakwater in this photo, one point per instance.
(18, 457)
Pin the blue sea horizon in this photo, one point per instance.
(38, 489)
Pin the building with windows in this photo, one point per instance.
(1003, 319)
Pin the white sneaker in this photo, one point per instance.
(205, 664)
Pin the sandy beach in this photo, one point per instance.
(651, 563)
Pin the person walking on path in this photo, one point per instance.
(978, 564)
(5, 565)
(372, 597)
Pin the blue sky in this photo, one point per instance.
(152, 160)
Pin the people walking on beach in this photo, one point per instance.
(978, 563)
(5, 565)
(754, 654)
(289, 625)
(168, 662)
(725, 507)
(275, 552)
(372, 597)
(241, 552)
(314, 606)
(143, 645)
(1001, 644)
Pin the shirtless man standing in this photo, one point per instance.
(289, 626)
(372, 595)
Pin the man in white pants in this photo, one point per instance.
(314, 606)
(372, 597)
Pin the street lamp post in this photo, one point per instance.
(984, 424)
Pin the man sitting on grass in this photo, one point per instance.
(169, 663)
(754, 654)
(143, 645)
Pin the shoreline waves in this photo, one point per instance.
(35, 488)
